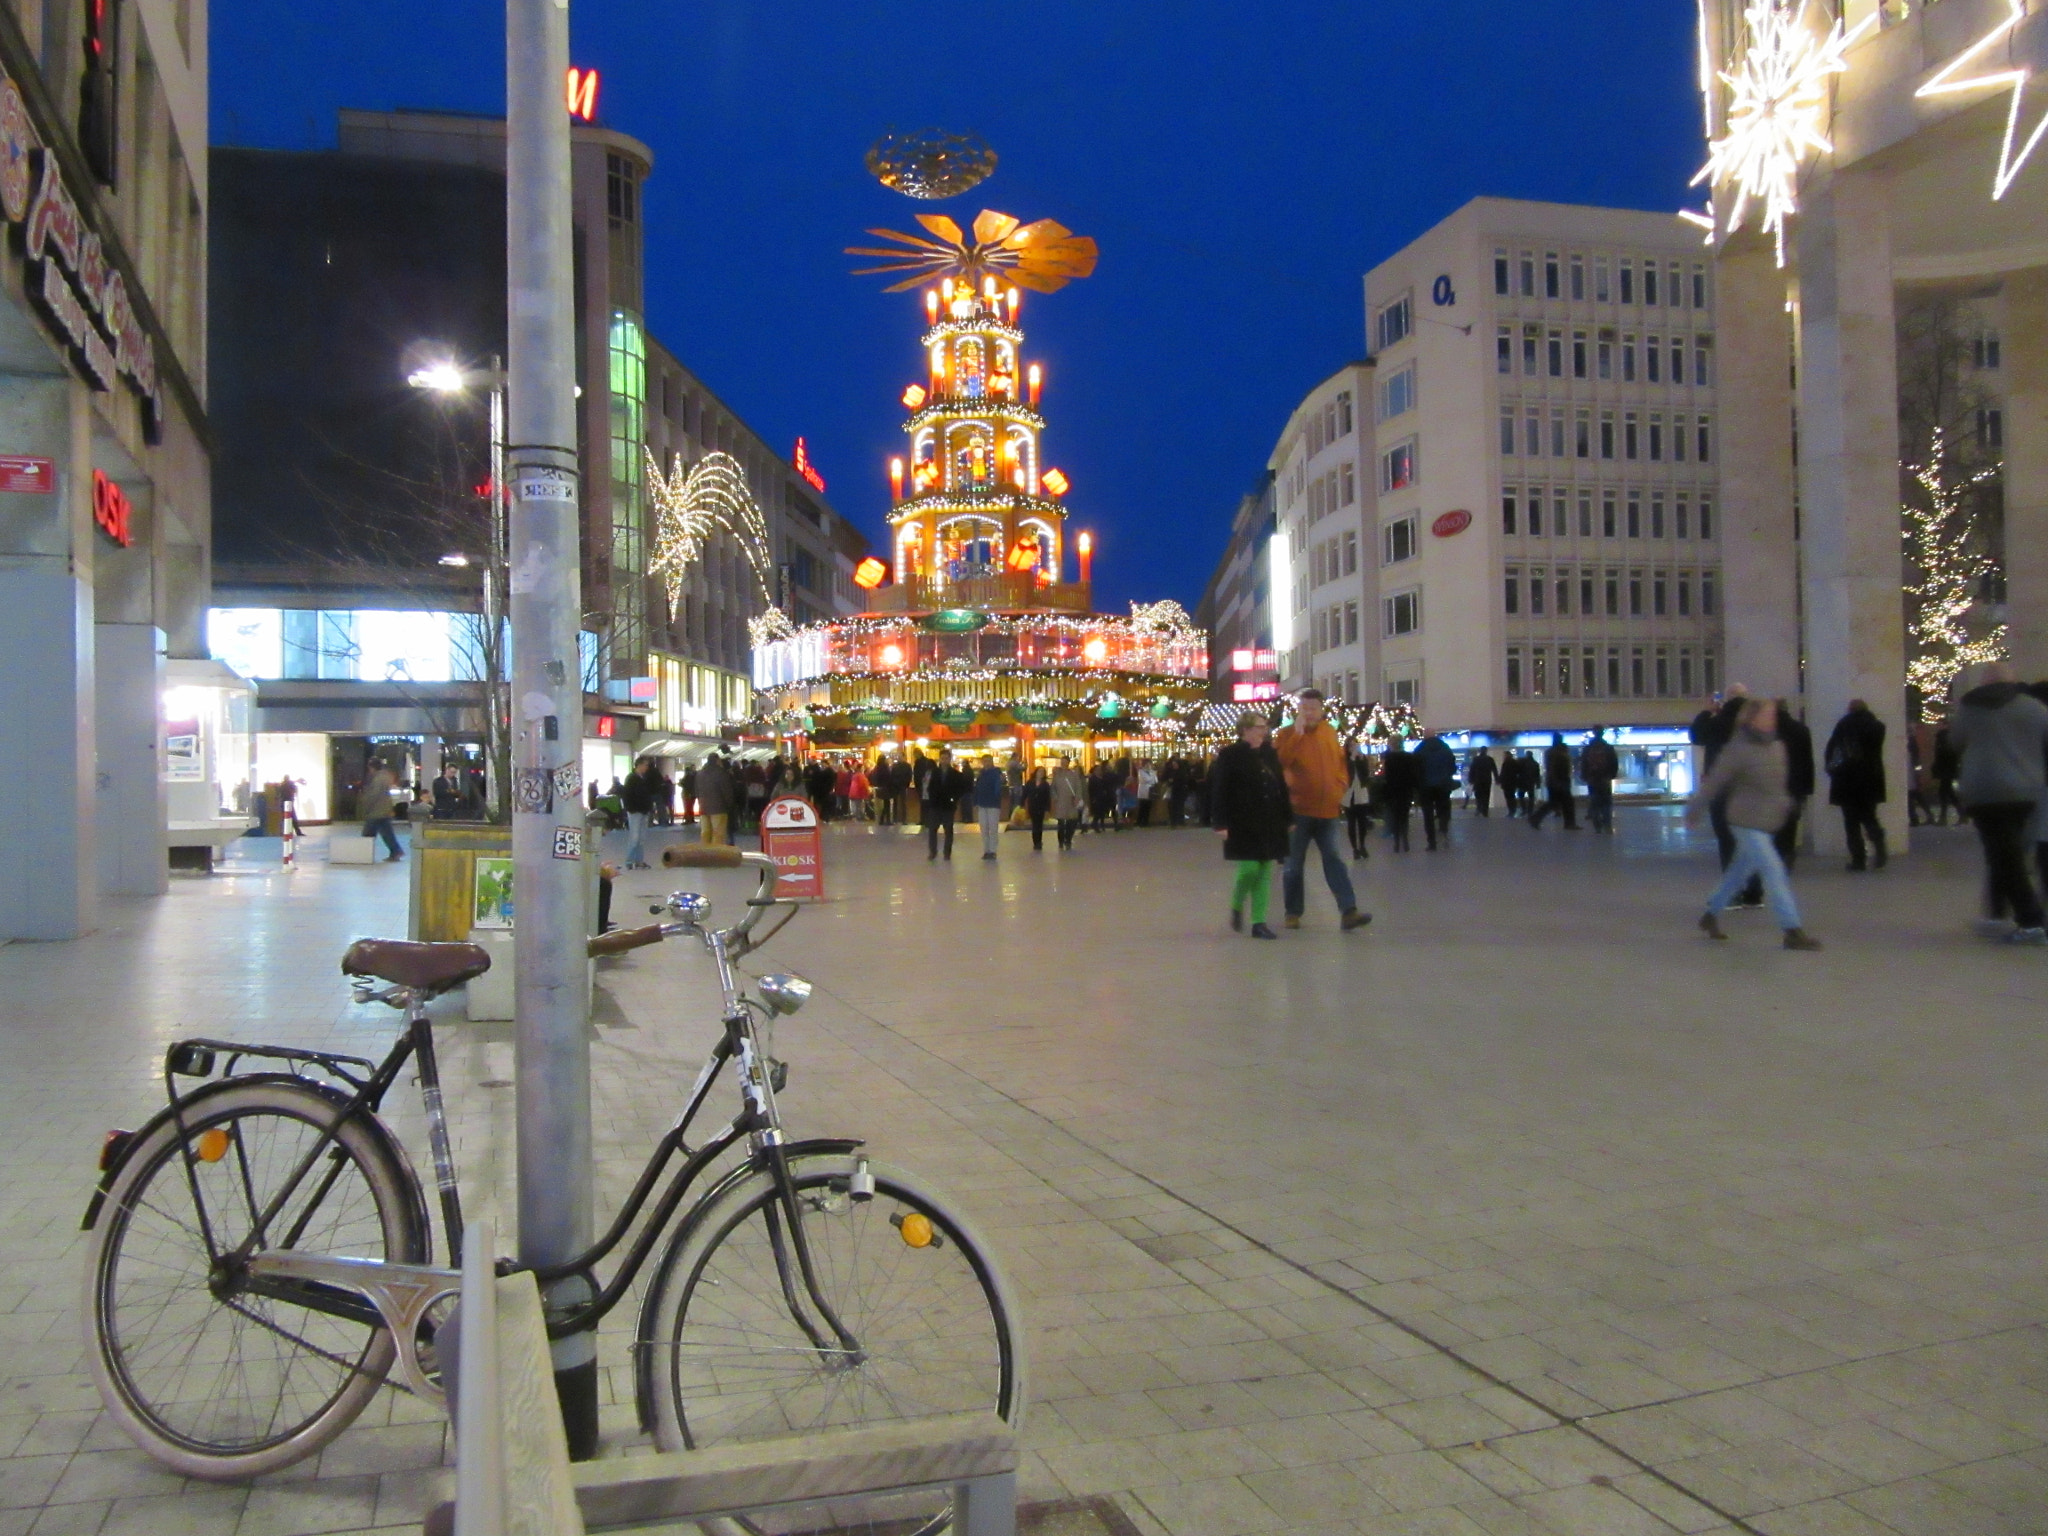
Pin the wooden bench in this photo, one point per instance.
(513, 1475)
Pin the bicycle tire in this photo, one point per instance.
(716, 1313)
(231, 1388)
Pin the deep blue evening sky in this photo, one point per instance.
(1242, 166)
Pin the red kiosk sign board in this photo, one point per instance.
(790, 835)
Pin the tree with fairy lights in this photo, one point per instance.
(1948, 566)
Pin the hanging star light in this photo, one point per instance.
(1778, 102)
(690, 507)
(1043, 256)
(1952, 78)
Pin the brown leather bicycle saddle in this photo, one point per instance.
(427, 968)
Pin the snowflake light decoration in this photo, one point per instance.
(1778, 102)
(690, 507)
(1953, 77)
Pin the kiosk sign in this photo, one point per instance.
(790, 835)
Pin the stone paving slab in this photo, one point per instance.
(1524, 1211)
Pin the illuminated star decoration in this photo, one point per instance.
(690, 507)
(1778, 100)
(1043, 256)
(1947, 82)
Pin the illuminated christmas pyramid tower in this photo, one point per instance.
(976, 520)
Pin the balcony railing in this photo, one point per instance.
(1009, 594)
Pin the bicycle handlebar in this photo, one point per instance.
(619, 940)
(702, 856)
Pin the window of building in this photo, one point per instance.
(1400, 540)
(1629, 440)
(1678, 439)
(1607, 514)
(1673, 295)
(1402, 612)
(1317, 574)
(1991, 429)
(1535, 510)
(1628, 357)
(1514, 672)
(1564, 671)
(1582, 434)
(1607, 434)
(1706, 518)
(1507, 512)
(1685, 594)
(1703, 360)
(1550, 275)
(1586, 600)
(1532, 433)
(1507, 431)
(1554, 353)
(1612, 605)
(1685, 674)
(1397, 466)
(1397, 395)
(1678, 359)
(1347, 482)
(1536, 592)
(1635, 515)
(1614, 674)
(1710, 682)
(1321, 636)
(1628, 281)
(1557, 433)
(1984, 350)
(1578, 276)
(1351, 623)
(1605, 355)
(1343, 404)
(1315, 500)
(1649, 282)
(1405, 690)
(1350, 551)
(1681, 517)
(1532, 337)
(1707, 593)
(1585, 514)
(1392, 323)
(1578, 354)
(1657, 436)
(1705, 440)
(1653, 361)
(1635, 671)
(1500, 273)
(1564, 594)
(1659, 593)
(1504, 350)
(1511, 590)
(1539, 669)
(1699, 286)
(1600, 289)
(1528, 275)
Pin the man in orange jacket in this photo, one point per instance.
(1313, 759)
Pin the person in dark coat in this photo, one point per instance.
(1437, 766)
(1252, 812)
(1479, 775)
(1855, 759)
(1557, 785)
(1799, 782)
(1037, 798)
(943, 787)
(1599, 767)
(1400, 782)
(1712, 729)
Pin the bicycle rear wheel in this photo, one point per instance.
(934, 1322)
(212, 1380)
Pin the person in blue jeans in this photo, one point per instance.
(989, 788)
(1750, 775)
(1317, 773)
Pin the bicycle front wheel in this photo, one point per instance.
(211, 1379)
(932, 1321)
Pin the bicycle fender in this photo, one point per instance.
(643, 1355)
(198, 1096)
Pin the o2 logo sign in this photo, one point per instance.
(1441, 293)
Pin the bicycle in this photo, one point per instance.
(259, 1259)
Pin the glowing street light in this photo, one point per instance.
(441, 378)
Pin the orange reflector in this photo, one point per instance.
(213, 1145)
(916, 1228)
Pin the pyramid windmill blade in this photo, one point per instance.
(992, 228)
(944, 228)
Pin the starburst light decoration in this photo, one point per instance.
(1962, 73)
(1777, 106)
(929, 164)
(690, 507)
(1945, 547)
(1043, 256)
(1165, 617)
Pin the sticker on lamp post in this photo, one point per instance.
(790, 835)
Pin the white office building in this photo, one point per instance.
(1541, 460)
(1320, 556)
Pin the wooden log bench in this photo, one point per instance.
(513, 1476)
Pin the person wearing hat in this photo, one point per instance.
(1252, 813)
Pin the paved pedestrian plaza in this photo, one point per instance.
(1526, 1210)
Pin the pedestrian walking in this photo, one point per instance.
(1480, 774)
(990, 787)
(1855, 764)
(1947, 763)
(1712, 729)
(939, 803)
(1358, 807)
(1399, 785)
(2001, 730)
(378, 808)
(1313, 761)
(1145, 783)
(1250, 809)
(1037, 799)
(688, 786)
(1069, 802)
(1749, 780)
(1557, 785)
(1437, 766)
(1919, 781)
(637, 796)
(1599, 767)
(715, 795)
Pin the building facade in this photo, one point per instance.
(104, 478)
(1321, 561)
(1236, 609)
(1932, 193)
(1545, 460)
(353, 512)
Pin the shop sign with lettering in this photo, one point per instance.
(82, 295)
(112, 510)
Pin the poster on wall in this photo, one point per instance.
(183, 758)
(493, 907)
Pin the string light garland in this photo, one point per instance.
(1951, 78)
(1778, 104)
(1945, 546)
(689, 508)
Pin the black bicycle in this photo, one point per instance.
(260, 1252)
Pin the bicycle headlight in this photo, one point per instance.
(784, 992)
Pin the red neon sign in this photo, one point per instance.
(801, 459)
(112, 510)
(582, 94)
(607, 727)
